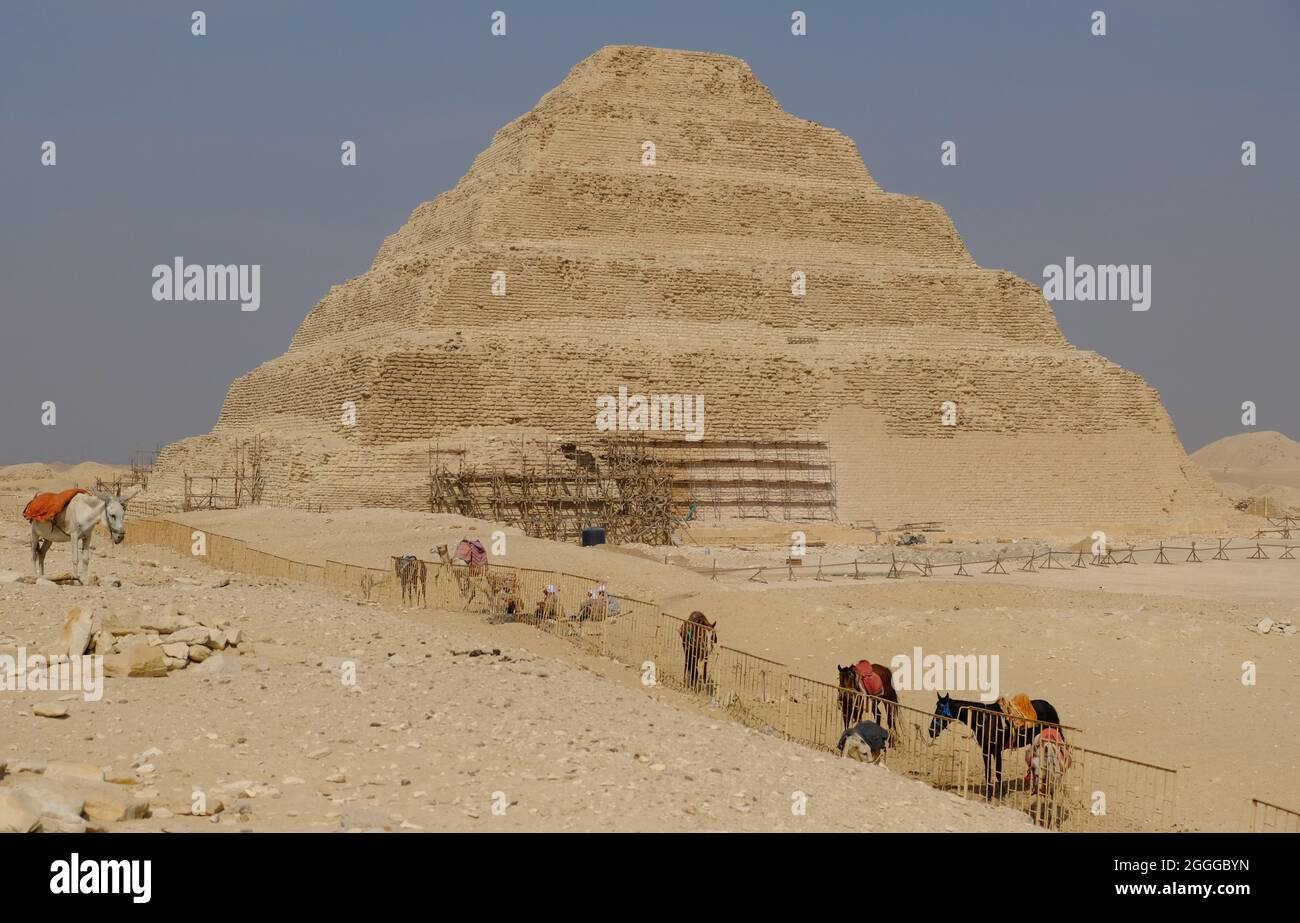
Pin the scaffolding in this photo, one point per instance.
(556, 489)
(245, 486)
(637, 487)
(790, 478)
(141, 468)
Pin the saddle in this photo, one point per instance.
(471, 551)
(1019, 710)
(44, 507)
(871, 683)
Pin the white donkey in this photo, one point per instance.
(76, 524)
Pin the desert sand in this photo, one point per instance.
(1254, 467)
(428, 736)
(1146, 658)
(29, 479)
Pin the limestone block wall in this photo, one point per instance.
(569, 282)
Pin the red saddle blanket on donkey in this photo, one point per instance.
(870, 682)
(44, 507)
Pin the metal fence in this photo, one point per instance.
(1269, 818)
(1113, 793)
(1084, 789)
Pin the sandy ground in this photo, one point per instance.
(1147, 659)
(430, 737)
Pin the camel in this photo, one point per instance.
(504, 594)
(468, 579)
(76, 523)
(698, 637)
(475, 579)
(500, 584)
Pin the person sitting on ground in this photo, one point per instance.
(864, 742)
(1047, 759)
(611, 603)
(592, 608)
(599, 605)
(550, 606)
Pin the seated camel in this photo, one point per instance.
(504, 598)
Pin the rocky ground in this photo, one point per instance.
(1148, 659)
(450, 725)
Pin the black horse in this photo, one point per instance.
(994, 731)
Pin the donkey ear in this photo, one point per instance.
(102, 494)
(130, 492)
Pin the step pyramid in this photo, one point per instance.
(567, 264)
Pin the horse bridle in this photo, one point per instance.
(108, 524)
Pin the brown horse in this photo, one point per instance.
(412, 574)
(851, 705)
(698, 637)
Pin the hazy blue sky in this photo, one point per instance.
(225, 149)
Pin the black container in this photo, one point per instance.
(593, 535)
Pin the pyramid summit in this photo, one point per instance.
(657, 223)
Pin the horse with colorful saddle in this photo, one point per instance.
(868, 679)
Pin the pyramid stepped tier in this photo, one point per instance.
(754, 381)
(564, 266)
(559, 284)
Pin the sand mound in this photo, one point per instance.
(56, 476)
(1266, 451)
(1253, 467)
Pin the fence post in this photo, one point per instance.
(785, 704)
(965, 770)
